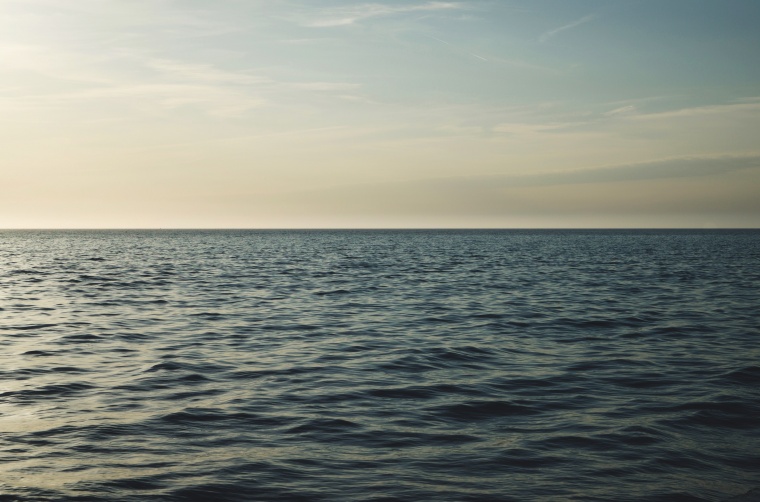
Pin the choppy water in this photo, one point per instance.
(379, 365)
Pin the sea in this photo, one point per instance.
(379, 365)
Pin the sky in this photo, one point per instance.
(392, 113)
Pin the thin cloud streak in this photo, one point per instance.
(204, 73)
(623, 110)
(749, 106)
(687, 186)
(163, 82)
(344, 17)
(669, 168)
(552, 33)
(455, 47)
(677, 167)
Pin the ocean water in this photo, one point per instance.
(379, 365)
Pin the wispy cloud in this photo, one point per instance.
(452, 45)
(352, 15)
(213, 100)
(750, 105)
(674, 167)
(595, 191)
(203, 73)
(303, 41)
(71, 81)
(50, 62)
(552, 33)
(324, 86)
(622, 110)
(659, 169)
(517, 128)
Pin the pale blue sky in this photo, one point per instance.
(311, 113)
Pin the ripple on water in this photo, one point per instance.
(379, 365)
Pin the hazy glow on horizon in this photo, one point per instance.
(391, 113)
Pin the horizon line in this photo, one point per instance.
(356, 228)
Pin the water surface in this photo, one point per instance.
(379, 365)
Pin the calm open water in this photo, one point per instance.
(379, 365)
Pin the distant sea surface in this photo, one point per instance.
(379, 365)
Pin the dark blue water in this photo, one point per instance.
(379, 365)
